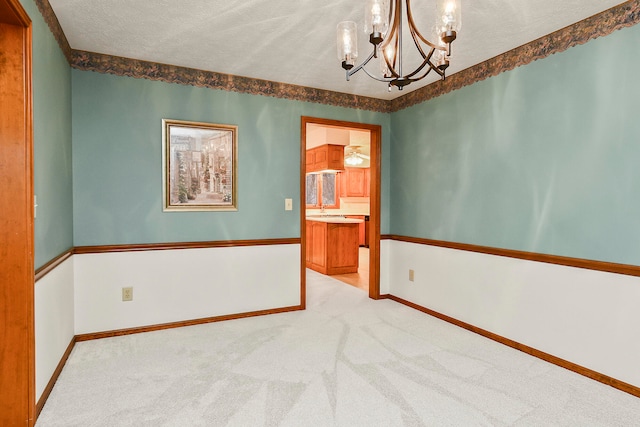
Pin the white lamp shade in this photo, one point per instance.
(376, 16)
(449, 16)
(347, 39)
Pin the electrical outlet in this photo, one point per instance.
(127, 294)
(411, 274)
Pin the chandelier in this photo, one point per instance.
(384, 24)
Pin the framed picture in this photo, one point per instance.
(200, 163)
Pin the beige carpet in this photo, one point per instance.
(345, 361)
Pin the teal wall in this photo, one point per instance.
(52, 142)
(543, 158)
(117, 160)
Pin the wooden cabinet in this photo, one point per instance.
(310, 159)
(317, 246)
(332, 248)
(354, 182)
(325, 157)
(308, 248)
(363, 234)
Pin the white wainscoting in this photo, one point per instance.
(385, 266)
(54, 323)
(587, 317)
(178, 285)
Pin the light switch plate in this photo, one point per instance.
(288, 204)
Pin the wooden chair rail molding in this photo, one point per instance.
(609, 267)
(605, 379)
(51, 265)
(626, 269)
(182, 245)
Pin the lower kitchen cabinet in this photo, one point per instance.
(363, 232)
(332, 248)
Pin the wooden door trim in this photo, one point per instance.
(374, 197)
(13, 14)
(17, 348)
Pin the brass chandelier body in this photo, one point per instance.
(386, 36)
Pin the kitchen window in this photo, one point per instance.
(322, 190)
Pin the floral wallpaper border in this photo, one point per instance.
(90, 61)
(624, 15)
(54, 25)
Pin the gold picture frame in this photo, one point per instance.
(200, 162)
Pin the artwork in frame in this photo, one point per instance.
(200, 163)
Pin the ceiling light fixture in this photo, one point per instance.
(353, 159)
(384, 26)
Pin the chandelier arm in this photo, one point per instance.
(392, 18)
(395, 37)
(361, 66)
(393, 27)
(424, 63)
(416, 42)
(380, 79)
(390, 67)
(436, 69)
(412, 25)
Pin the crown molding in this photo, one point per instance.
(624, 15)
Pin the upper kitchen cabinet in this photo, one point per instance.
(355, 182)
(325, 157)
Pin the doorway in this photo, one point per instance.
(17, 371)
(372, 236)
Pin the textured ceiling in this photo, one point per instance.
(294, 41)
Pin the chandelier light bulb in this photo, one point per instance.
(389, 59)
(389, 51)
(439, 57)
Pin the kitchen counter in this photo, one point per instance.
(338, 212)
(334, 219)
